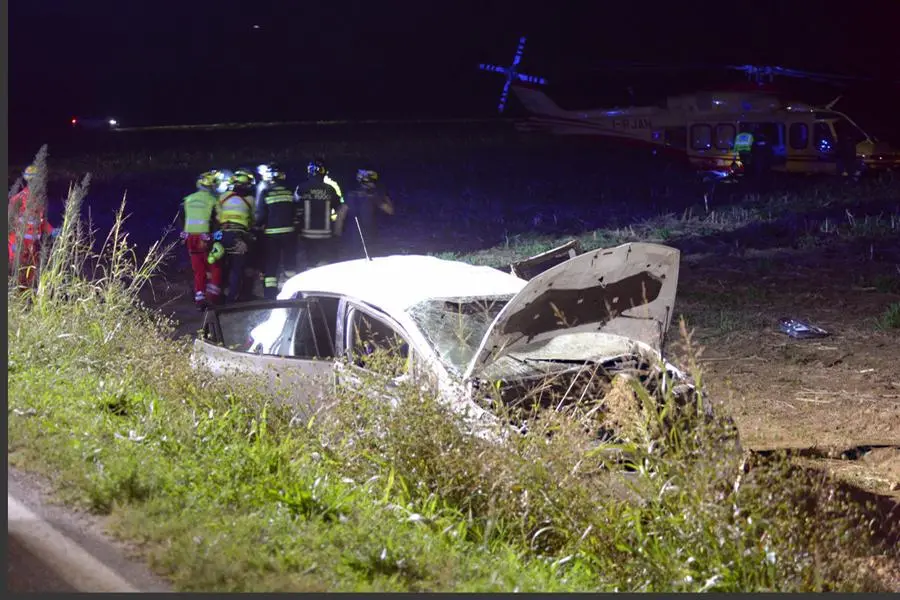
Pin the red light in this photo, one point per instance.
(74, 120)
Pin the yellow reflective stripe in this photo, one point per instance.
(271, 282)
(279, 230)
(278, 199)
(335, 187)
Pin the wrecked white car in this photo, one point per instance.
(480, 336)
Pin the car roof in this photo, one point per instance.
(395, 283)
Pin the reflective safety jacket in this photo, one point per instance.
(335, 187)
(275, 210)
(743, 142)
(198, 211)
(317, 200)
(29, 221)
(234, 209)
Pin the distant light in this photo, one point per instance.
(718, 102)
(74, 121)
(256, 27)
(113, 122)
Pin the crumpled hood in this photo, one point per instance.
(628, 290)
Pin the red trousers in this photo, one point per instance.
(28, 259)
(207, 277)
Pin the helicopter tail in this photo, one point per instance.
(537, 102)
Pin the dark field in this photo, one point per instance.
(823, 250)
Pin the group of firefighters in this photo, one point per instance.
(240, 223)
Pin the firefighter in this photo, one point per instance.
(848, 161)
(361, 204)
(198, 210)
(234, 213)
(29, 222)
(743, 144)
(274, 215)
(318, 200)
(762, 157)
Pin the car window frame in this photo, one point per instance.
(211, 321)
(349, 309)
(313, 297)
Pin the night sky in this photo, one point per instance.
(198, 61)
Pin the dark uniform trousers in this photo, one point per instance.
(278, 249)
(237, 242)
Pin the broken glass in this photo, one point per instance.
(455, 327)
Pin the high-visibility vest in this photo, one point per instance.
(743, 142)
(198, 211)
(234, 209)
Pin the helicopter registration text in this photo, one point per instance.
(631, 124)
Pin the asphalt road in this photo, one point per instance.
(54, 549)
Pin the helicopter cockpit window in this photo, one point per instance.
(701, 136)
(799, 136)
(725, 133)
(848, 132)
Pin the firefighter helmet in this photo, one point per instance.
(30, 172)
(316, 168)
(222, 178)
(243, 175)
(241, 179)
(367, 177)
(207, 181)
(270, 172)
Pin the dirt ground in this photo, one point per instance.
(827, 396)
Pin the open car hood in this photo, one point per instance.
(628, 290)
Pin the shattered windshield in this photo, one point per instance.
(455, 326)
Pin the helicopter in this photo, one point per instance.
(701, 126)
(94, 123)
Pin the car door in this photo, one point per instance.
(363, 333)
(286, 342)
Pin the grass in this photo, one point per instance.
(223, 490)
(890, 318)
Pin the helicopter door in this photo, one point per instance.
(825, 147)
(801, 150)
(774, 133)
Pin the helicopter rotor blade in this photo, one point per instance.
(760, 71)
(504, 95)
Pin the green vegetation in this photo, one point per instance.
(890, 319)
(225, 491)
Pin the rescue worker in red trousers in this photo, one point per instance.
(234, 213)
(274, 214)
(318, 201)
(199, 209)
(27, 220)
(361, 204)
